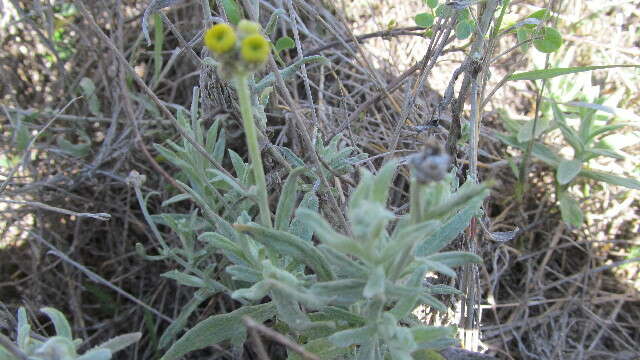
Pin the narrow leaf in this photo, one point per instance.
(287, 200)
(218, 328)
(287, 244)
(551, 73)
(568, 170)
(60, 323)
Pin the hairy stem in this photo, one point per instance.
(244, 97)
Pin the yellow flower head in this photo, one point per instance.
(220, 38)
(255, 49)
(248, 27)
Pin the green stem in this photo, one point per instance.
(246, 109)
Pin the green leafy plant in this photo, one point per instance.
(62, 346)
(584, 122)
(339, 292)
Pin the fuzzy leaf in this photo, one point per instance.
(287, 200)
(375, 283)
(96, 354)
(218, 328)
(568, 170)
(382, 182)
(330, 237)
(184, 279)
(60, 323)
(120, 342)
(570, 209)
(455, 258)
(290, 245)
(355, 336)
(450, 229)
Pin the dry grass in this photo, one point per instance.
(551, 293)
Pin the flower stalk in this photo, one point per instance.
(240, 81)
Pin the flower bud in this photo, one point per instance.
(431, 164)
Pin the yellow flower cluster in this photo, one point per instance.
(227, 43)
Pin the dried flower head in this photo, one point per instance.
(220, 38)
(255, 49)
(431, 164)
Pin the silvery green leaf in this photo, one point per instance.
(222, 242)
(424, 333)
(439, 344)
(289, 311)
(441, 289)
(323, 349)
(568, 170)
(254, 293)
(239, 166)
(220, 146)
(24, 329)
(288, 71)
(402, 344)
(96, 354)
(218, 328)
(287, 200)
(303, 296)
(299, 227)
(409, 236)
(362, 191)
(450, 229)
(355, 336)
(375, 283)
(339, 314)
(291, 157)
(437, 266)
(212, 135)
(233, 183)
(468, 193)
(341, 292)
(56, 347)
(525, 133)
(120, 342)
(290, 245)
(331, 238)
(343, 264)
(454, 258)
(175, 199)
(180, 322)
(368, 221)
(184, 279)
(60, 323)
(382, 182)
(172, 157)
(273, 21)
(243, 273)
(370, 350)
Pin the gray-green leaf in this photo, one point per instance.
(568, 170)
(218, 328)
